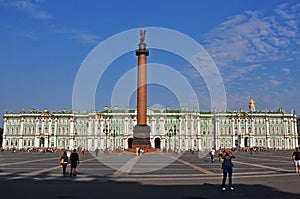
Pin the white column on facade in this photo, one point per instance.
(46, 136)
(199, 144)
(217, 133)
(286, 132)
(179, 133)
(295, 134)
(89, 134)
(36, 135)
(246, 126)
(268, 144)
(55, 134)
(252, 142)
(50, 133)
(187, 136)
(71, 135)
(199, 134)
(153, 130)
(191, 140)
(4, 133)
(247, 134)
(102, 144)
(20, 135)
(96, 134)
(102, 135)
(127, 127)
(292, 135)
(234, 137)
(95, 144)
(287, 136)
(242, 141)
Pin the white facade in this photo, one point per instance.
(169, 130)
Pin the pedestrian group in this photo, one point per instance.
(73, 159)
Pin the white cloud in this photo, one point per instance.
(85, 37)
(251, 37)
(244, 38)
(286, 70)
(274, 82)
(79, 35)
(240, 71)
(253, 43)
(28, 6)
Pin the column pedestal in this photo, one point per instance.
(141, 137)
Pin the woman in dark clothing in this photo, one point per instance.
(227, 168)
(64, 162)
(74, 159)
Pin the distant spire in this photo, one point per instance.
(252, 107)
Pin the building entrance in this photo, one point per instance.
(246, 142)
(157, 143)
(42, 142)
(130, 140)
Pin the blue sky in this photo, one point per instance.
(255, 45)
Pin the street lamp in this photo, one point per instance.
(170, 134)
(106, 132)
(74, 140)
(175, 133)
(114, 136)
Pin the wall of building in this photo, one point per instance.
(169, 130)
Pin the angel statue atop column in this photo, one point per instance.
(142, 34)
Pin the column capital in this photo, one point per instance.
(142, 52)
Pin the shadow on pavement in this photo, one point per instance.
(108, 189)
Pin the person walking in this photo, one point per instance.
(97, 152)
(64, 162)
(227, 169)
(220, 154)
(296, 159)
(212, 154)
(74, 159)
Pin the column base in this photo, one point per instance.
(141, 137)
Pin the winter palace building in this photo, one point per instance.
(170, 129)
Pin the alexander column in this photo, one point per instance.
(141, 132)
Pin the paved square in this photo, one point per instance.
(157, 175)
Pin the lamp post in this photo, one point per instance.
(170, 134)
(205, 142)
(175, 133)
(106, 132)
(114, 136)
(52, 135)
(74, 139)
(114, 133)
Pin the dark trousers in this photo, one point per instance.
(64, 166)
(225, 171)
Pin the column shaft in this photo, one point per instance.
(142, 90)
